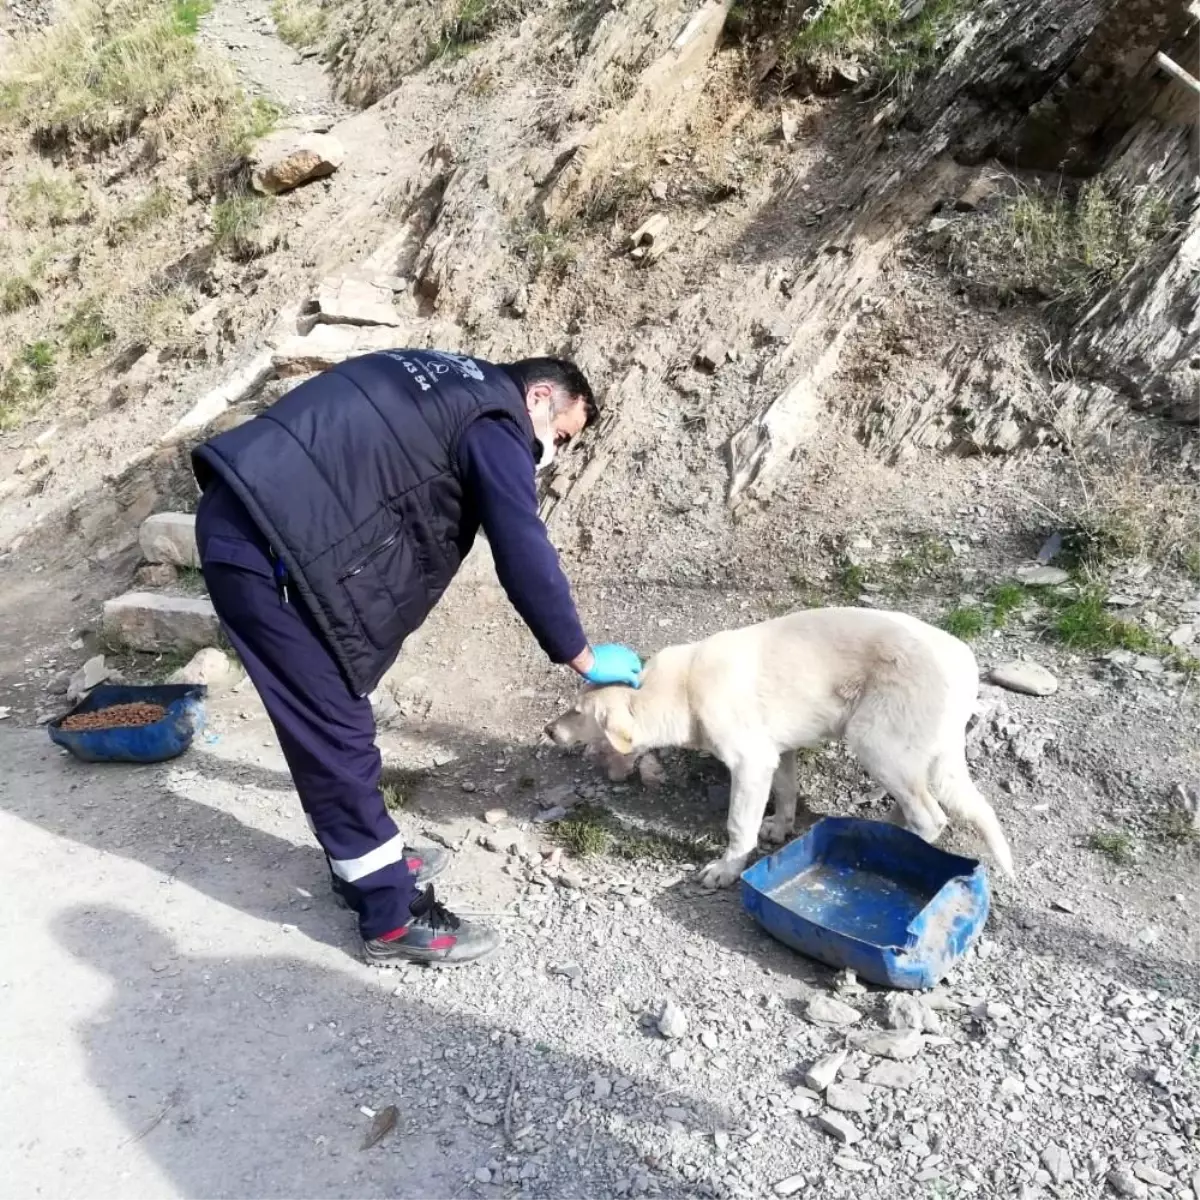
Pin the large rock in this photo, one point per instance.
(326, 346)
(211, 667)
(345, 300)
(286, 159)
(1027, 677)
(149, 621)
(170, 537)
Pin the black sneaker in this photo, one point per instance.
(434, 935)
(426, 863)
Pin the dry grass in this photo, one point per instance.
(1057, 247)
(113, 92)
(1133, 509)
(300, 23)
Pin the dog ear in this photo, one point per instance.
(618, 728)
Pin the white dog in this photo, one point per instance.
(898, 691)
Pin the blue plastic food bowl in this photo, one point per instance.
(164, 739)
(873, 897)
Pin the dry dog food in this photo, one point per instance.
(118, 716)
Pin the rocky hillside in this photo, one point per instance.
(888, 304)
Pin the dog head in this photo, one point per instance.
(603, 713)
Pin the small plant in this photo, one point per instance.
(399, 786)
(1178, 825)
(851, 578)
(16, 293)
(1064, 249)
(1114, 844)
(549, 253)
(298, 22)
(87, 329)
(965, 623)
(612, 195)
(235, 222)
(48, 199)
(470, 22)
(1006, 599)
(152, 208)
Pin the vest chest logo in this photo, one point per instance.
(433, 365)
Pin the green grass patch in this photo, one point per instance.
(549, 252)
(148, 210)
(894, 52)
(1084, 622)
(1115, 844)
(590, 831)
(966, 622)
(1006, 600)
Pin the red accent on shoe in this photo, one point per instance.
(443, 943)
(394, 936)
(414, 864)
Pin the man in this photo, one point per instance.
(329, 527)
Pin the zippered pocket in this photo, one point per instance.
(360, 564)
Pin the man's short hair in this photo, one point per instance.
(560, 372)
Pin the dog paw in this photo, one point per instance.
(775, 832)
(721, 873)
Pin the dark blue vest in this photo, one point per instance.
(354, 479)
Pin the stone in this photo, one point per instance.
(1058, 1162)
(650, 231)
(902, 1011)
(790, 1186)
(898, 1076)
(825, 1070)
(90, 675)
(483, 1175)
(900, 1046)
(1042, 576)
(291, 157)
(344, 300)
(789, 126)
(839, 1127)
(825, 1010)
(601, 1088)
(496, 816)
(673, 1022)
(153, 622)
(847, 1097)
(709, 1040)
(1182, 635)
(1154, 1177)
(156, 575)
(210, 668)
(677, 1060)
(1026, 677)
(651, 772)
(326, 346)
(711, 356)
(1123, 1181)
(170, 537)
(31, 460)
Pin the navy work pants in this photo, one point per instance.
(327, 733)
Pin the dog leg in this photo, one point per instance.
(751, 788)
(777, 829)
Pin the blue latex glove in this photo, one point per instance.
(615, 664)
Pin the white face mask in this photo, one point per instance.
(543, 430)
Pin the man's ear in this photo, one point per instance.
(617, 723)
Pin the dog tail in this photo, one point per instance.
(951, 783)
